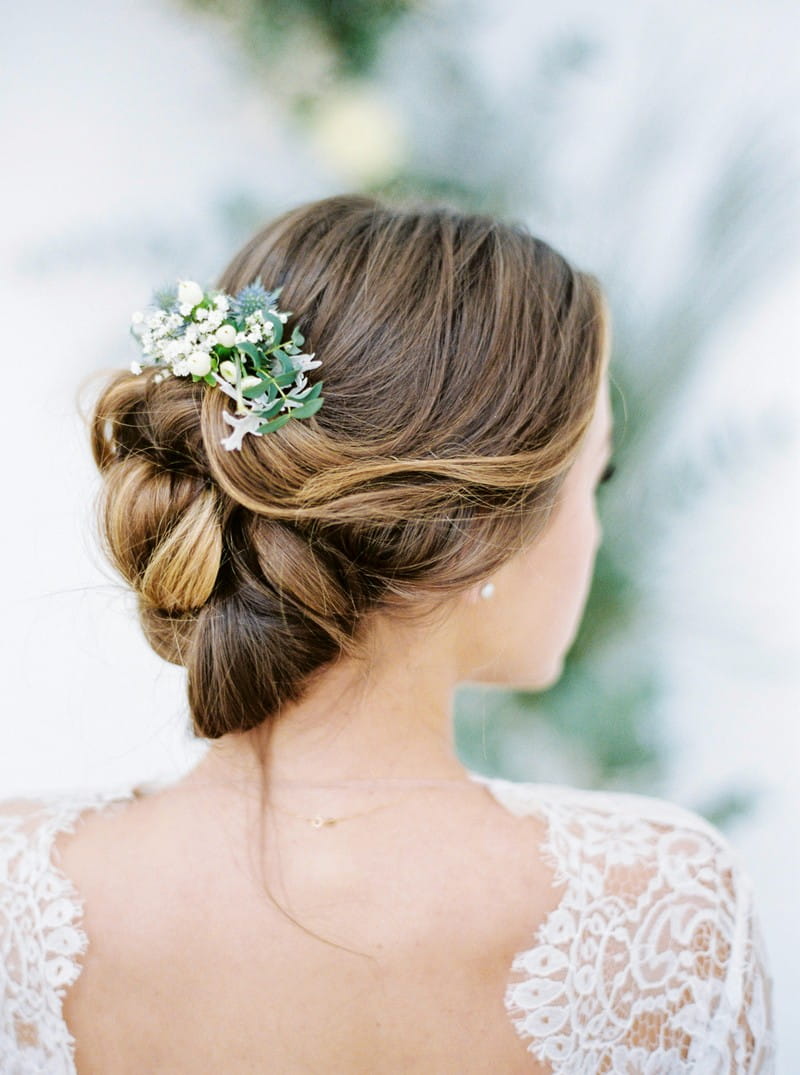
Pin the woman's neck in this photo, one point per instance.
(387, 721)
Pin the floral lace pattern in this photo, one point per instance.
(652, 963)
(41, 938)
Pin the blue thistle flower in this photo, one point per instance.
(252, 298)
(166, 298)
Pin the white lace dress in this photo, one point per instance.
(651, 964)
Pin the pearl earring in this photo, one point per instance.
(487, 589)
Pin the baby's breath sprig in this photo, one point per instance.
(235, 343)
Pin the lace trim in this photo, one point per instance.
(41, 936)
(653, 961)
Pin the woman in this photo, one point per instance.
(329, 889)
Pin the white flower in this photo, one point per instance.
(221, 302)
(174, 349)
(136, 367)
(201, 314)
(251, 382)
(137, 317)
(228, 370)
(189, 294)
(226, 335)
(199, 363)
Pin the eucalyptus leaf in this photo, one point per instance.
(256, 390)
(276, 423)
(277, 325)
(313, 392)
(283, 358)
(272, 410)
(307, 409)
(250, 350)
(284, 379)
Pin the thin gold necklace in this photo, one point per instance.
(320, 821)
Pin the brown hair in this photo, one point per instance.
(461, 360)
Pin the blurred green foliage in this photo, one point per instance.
(352, 29)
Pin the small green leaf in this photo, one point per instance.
(298, 339)
(315, 391)
(276, 423)
(272, 410)
(256, 390)
(307, 409)
(250, 350)
(277, 326)
(285, 361)
(284, 379)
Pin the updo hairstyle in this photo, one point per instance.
(461, 360)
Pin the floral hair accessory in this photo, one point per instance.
(235, 343)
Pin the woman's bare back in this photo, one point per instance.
(191, 967)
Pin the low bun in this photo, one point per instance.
(462, 360)
(163, 535)
(279, 613)
(159, 516)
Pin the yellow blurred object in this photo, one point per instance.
(359, 134)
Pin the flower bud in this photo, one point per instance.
(226, 335)
(228, 370)
(189, 293)
(251, 382)
(199, 363)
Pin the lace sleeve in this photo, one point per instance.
(653, 962)
(41, 938)
(736, 1036)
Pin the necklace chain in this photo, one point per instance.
(321, 821)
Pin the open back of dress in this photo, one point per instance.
(649, 962)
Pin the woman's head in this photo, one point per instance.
(463, 360)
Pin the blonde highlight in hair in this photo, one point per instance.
(461, 358)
